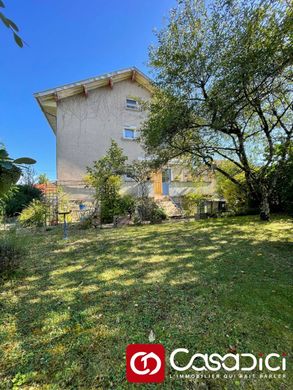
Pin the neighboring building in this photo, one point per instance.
(86, 115)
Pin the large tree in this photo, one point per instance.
(223, 73)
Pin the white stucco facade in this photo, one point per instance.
(86, 125)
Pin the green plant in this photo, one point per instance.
(11, 252)
(10, 169)
(43, 179)
(20, 199)
(34, 214)
(157, 215)
(190, 203)
(148, 210)
(104, 177)
(126, 205)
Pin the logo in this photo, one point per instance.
(145, 363)
(215, 362)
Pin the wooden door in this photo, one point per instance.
(157, 182)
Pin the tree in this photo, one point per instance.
(10, 170)
(140, 172)
(28, 176)
(43, 179)
(222, 73)
(11, 25)
(104, 177)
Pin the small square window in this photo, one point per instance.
(129, 133)
(132, 104)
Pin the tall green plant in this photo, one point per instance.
(104, 177)
(10, 170)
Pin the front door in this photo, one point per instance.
(166, 179)
(157, 182)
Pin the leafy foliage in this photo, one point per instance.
(222, 75)
(43, 179)
(236, 198)
(281, 177)
(190, 203)
(140, 172)
(105, 178)
(148, 210)
(11, 25)
(10, 170)
(34, 214)
(20, 199)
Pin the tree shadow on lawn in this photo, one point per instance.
(197, 286)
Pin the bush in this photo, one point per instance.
(148, 210)
(34, 214)
(11, 253)
(20, 199)
(108, 208)
(157, 215)
(190, 203)
(120, 205)
(126, 205)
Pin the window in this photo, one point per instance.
(132, 104)
(129, 134)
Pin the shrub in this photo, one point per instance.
(126, 205)
(11, 253)
(34, 214)
(190, 203)
(108, 208)
(148, 210)
(157, 215)
(21, 198)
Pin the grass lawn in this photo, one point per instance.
(68, 314)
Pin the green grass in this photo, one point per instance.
(68, 314)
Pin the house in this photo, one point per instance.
(87, 114)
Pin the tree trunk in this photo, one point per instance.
(264, 205)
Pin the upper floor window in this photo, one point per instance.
(129, 133)
(132, 104)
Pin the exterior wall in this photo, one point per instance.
(86, 125)
(182, 182)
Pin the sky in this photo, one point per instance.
(66, 41)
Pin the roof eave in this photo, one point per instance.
(48, 99)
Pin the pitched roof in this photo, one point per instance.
(48, 99)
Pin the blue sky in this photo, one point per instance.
(67, 40)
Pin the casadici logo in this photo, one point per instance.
(145, 363)
(237, 362)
